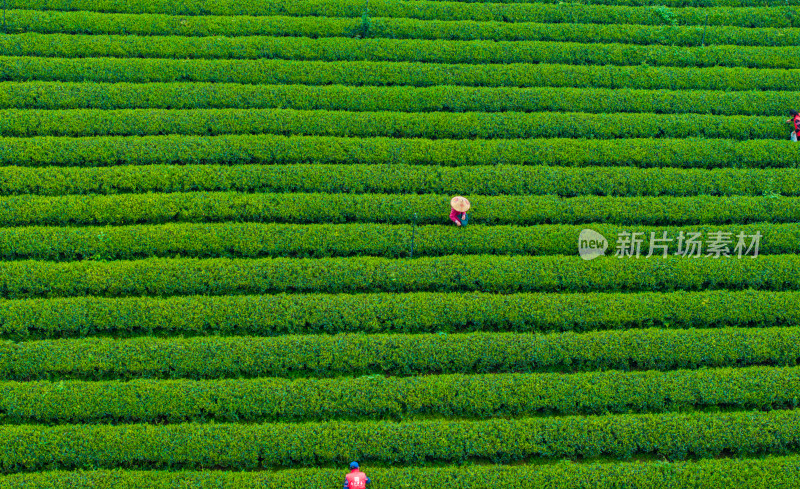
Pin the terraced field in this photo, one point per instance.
(226, 259)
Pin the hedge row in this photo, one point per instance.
(655, 3)
(255, 240)
(213, 122)
(395, 354)
(437, 10)
(278, 149)
(272, 315)
(392, 209)
(82, 22)
(396, 50)
(400, 179)
(49, 95)
(397, 398)
(386, 73)
(500, 274)
(237, 446)
(762, 473)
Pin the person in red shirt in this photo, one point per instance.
(796, 121)
(356, 479)
(458, 210)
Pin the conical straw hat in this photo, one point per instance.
(459, 203)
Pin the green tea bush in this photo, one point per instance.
(54, 95)
(500, 274)
(400, 179)
(398, 398)
(280, 314)
(766, 472)
(257, 240)
(247, 446)
(94, 122)
(293, 356)
(397, 50)
(84, 22)
(277, 149)
(300, 208)
(753, 16)
(387, 73)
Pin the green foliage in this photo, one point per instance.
(704, 474)
(766, 472)
(397, 398)
(355, 355)
(273, 315)
(380, 73)
(409, 50)
(364, 28)
(303, 208)
(470, 125)
(501, 274)
(49, 95)
(258, 240)
(401, 179)
(248, 447)
(752, 16)
(667, 15)
(255, 174)
(277, 149)
(83, 22)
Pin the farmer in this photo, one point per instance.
(355, 479)
(795, 120)
(458, 210)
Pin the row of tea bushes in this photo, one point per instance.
(426, 312)
(449, 98)
(470, 125)
(83, 22)
(395, 354)
(751, 16)
(395, 50)
(388, 73)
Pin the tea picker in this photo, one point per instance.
(458, 210)
(356, 479)
(795, 120)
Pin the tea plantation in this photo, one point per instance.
(226, 258)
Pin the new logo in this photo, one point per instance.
(591, 244)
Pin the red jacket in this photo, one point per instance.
(456, 216)
(356, 480)
(796, 120)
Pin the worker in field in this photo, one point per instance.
(356, 479)
(795, 121)
(458, 210)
